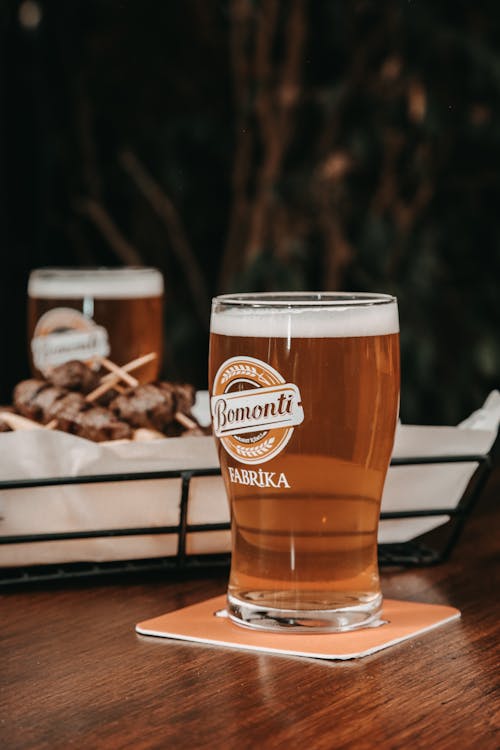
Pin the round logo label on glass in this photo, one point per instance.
(254, 411)
(62, 334)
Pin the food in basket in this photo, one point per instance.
(153, 405)
(75, 376)
(113, 407)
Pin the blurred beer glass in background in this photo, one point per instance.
(85, 313)
(304, 400)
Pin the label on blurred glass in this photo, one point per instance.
(63, 334)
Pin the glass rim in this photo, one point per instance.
(100, 282)
(304, 299)
(68, 271)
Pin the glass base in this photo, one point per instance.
(338, 620)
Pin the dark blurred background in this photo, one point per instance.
(262, 145)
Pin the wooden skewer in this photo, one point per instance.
(134, 364)
(122, 374)
(104, 388)
(112, 379)
(51, 425)
(17, 422)
(185, 421)
(99, 391)
(143, 434)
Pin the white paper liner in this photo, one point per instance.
(154, 503)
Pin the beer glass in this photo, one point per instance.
(304, 401)
(86, 313)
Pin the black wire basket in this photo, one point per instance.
(412, 553)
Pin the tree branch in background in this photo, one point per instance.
(330, 189)
(100, 218)
(239, 32)
(165, 209)
(274, 107)
(84, 117)
(263, 104)
(265, 122)
(387, 189)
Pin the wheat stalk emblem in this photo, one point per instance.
(256, 450)
(244, 370)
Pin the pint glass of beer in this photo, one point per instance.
(87, 313)
(304, 402)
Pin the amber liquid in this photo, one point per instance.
(314, 545)
(134, 326)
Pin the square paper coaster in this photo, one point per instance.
(199, 623)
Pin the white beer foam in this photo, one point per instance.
(99, 283)
(320, 322)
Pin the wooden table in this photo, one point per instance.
(74, 674)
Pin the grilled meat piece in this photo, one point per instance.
(45, 401)
(38, 400)
(153, 406)
(74, 376)
(24, 397)
(65, 410)
(98, 424)
(106, 398)
(183, 394)
(145, 406)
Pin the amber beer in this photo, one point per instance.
(304, 398)
(87, 313)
